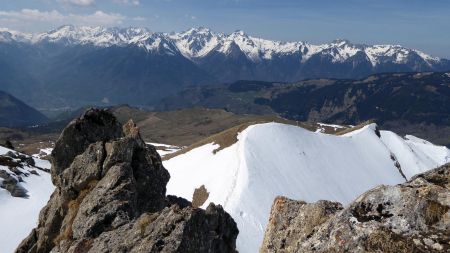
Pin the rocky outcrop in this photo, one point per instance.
(111, 197)
(14, 167)
(410, 217)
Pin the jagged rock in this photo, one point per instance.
(13, 175)
(9, 183)
(93, 126)
(8, 144)
(410, 217)
(111, 197)
(292, 221)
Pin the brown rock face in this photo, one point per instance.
(411, 217)
(111, 197)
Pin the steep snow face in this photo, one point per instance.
(18, 216)
(199, 42)
(414, 154)
(275, 159)
(196, 42)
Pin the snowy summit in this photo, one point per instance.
(196, 43)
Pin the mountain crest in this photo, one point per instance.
(201, 41)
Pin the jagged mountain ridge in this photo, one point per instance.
(74, 66)
(199, 42)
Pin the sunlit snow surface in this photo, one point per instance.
(18, 216)
(275, 159)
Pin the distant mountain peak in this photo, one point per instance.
(341, 41)
(239, 32)
(198, 30)
(201, 41)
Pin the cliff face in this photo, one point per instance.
(111, 197)
(410, 217)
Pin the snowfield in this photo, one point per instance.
(275, 159)
(18, 216)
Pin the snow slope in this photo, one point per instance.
(275, 159)
(18, 216)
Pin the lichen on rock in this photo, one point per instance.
(410, 217)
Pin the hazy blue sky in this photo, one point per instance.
(421, 24)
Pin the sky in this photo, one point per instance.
(418, 24)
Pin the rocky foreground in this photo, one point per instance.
(111, 197)
(410, 217)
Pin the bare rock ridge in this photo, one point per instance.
(111, 197)
(410, 217)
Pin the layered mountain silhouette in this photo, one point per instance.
(15, 113)
(404, 102)
(74, 66)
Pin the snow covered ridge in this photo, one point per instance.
(275, 159)
(200, 42)
(26, 188)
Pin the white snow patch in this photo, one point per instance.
(18, 216)
(275, 159)
(321, 128)
(165, 149)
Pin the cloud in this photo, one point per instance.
(192, 17)
(139, 18)
(79, 2)
(130, 2)
(92, 2)
(33, 17)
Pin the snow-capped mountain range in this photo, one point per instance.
(91, 65)
(199, 42)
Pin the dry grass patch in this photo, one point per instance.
(351, 129)
(434, 212)
(200, 196)
(384, 240)
(145, 220)
(73, 206)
